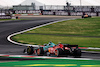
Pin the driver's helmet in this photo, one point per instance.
(59, 42)
(45, 44)
(49, 44)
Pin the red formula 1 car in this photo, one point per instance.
(65, 50)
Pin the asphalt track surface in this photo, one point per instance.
(10, 27)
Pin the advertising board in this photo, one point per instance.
(4, 16)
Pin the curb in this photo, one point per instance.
(40, 57)
(93, 48)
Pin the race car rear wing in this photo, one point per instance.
(67, 45)
(70, 46)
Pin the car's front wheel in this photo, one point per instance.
(30, 50)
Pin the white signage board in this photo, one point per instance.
(2, 14)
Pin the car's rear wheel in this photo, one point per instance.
(66, 52)
(82, 16)
(77, 53)
(30, 50)
(40, 51)
(58, 52)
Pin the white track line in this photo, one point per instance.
(9, 37)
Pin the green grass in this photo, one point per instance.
(86, 27)
(93, 50)
(41, 39)
(81, 27)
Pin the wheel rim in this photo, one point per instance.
(38, 51)
(28, 50)
(56, 52)
(35, 52)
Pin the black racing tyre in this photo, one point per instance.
(77, 53)
(24, 50)
(40, 52)
(82, 16)
(66, 52)
(89, 16)
(30, 50)
(59, 52)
